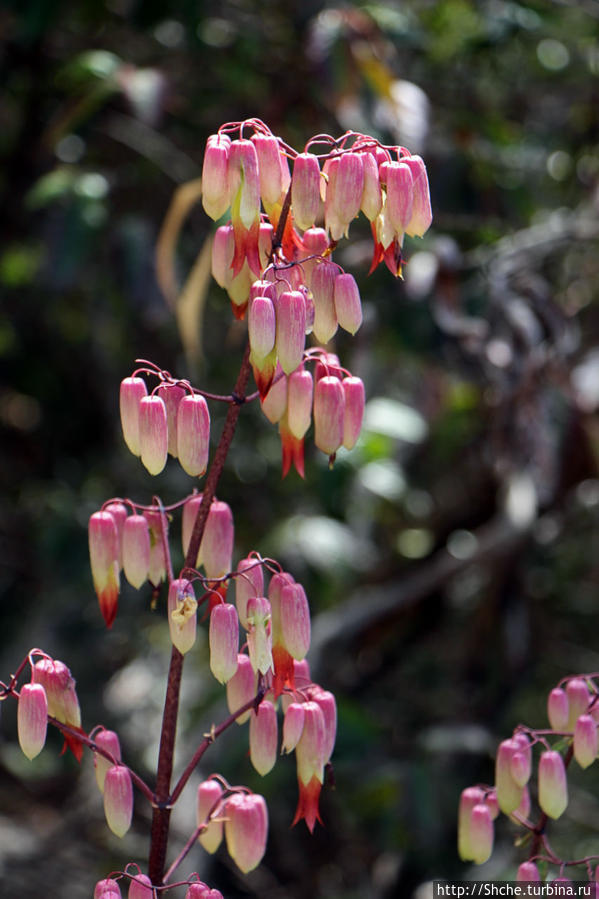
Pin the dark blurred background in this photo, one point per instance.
(451, 560)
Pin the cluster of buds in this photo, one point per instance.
(355, 173)
(140, 887)
(133, 543)
(51, 693)
(173, 419)
(333, 398)
(573, 712)
(237, 815)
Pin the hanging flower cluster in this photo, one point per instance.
(573, 712)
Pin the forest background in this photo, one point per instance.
(451, 559)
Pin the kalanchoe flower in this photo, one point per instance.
(528, 871)
(509, 793)
(241, 688)
(293, 725)
(400, 196)
(262, 334)
(324, 275)
(422, 215)
(263, 737)
(118, 511)
(578, 700)
(309, 754)
(223, 248)
(585, 741)
(215, 188)
(153, 433)
(343, 193)
(259, 638)
(118, 799)
(157, 523)
(171, 395)
(216, 549)
(248, 582)
(291, 329)
(105, 888)
(224, 641)
(305, 190)
(558, 709)
(372, 200)
(246, 830)
(315, 242)
(353, 391)
(300, 392)
(294, 616)
(140, 887)
(348, 307)
(270, 169)
(282, 658)
(292, 449)
(136, 550)
(329, 409)
(481, 834)
(108, 740)
(56, 679)
(209, 794)
(244, 193)
(32, 719)
(469, 799)
(202, 891)
(132, 391)
(182, 614)
(104, 560)
(328, 707)
(553, 787)
(193, 434)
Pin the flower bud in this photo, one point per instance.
(193, 434)
(329, 409)
(182, 614)
(293, 725)
(241, 688)
(553, 787)
(263, 737)
(558, 709)
(215, 188)
(309, 754)
(324, 276)
(56, 679)
(171, 395)
(246, 830)
(259, 638)
(291, 329)
(353, 391)
(294, 614)
(343, 193)
(136, 550)
(32, 719)
(274, 403)
(248, 582)
(400, 195)
(153, 433)
(528, 871)
(104, 560)
(118, 799)
(223, 248)
(469, 799)
(348, 307)
(216, 548)
(509, 793)
(209, 795)
(132, 391)
(578, 700)
(224, 641)
(305, 190)
(300, 389)
(119, 513)
(328, 707)
(244, 182)
(269, 166)
(108, 740)
(261, 326)
(481, 834)
(140, 887)
(422, 215)
(105, 888)
(315, 242)
(372, 200)
(158, 526)
(585, 741)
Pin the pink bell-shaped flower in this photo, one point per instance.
(348, 306)
(246, 830)
(241, 688)
(57, 681)
(329, 410)
(422, 214)
(158, 525)
(193, 434)
(578, 700)
(249, 581)
(153, 433)
(136, 550)
(305, 190)
(470, 797)
(270, 170)
(274, 403)
(107, 887)
(118, 799)
(528, 871)
(140, 887)
(558, 709)
(104, 560)
(118, 511)
(291, 329)
(263, 737)
(244, 193)
(209, 796)
(328, 707)
(553, 786)
(585, 741)
(400, 195)
(132, 391)
(353, 391)
(108, 740)
(223, 249)
(300, 391)
(224, 641)
(481, 833)
(259, 637)
(509, 793)
(182, 614)
(343, 193)
(171, 395)
(293, 725)
(372, 199)
(32, 719)
(294, 613)
(215, 186)
(323, 280)
(216, 549)
(309, 754)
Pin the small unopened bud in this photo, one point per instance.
(348, 306)
(400, 195)
(305, 190)
(261, 326)
(372, 200)
(132, 391)
(263, 737)
(353, 391)
(104, 560)
(246, 830)
(558, 710)
(528, 871)
(140, 887)
(469, 799)
(223, 248)
(578, 700)
(310, 749)
(107, 888)
(182, 614)
(193, 434)
(119, 513)
(118, 799)
(293, 725)
(224, 641)
(153, 433)
(322, 285)
(329, 409)
(294, 613)
(241, 688)
(481, 834)
(136, 550)
(585, 741)
(217, 542)
(553, 786)
(344, 193)
(299, 402)
(108, 740)
(171, 395)
(328, 707)
(259, 636)
(244, 182)
(269, 165)
(291, 329)
(422, 215)
(249, 582)
(215, 188)
(32, 719)
(509, 793)
(209, 795)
